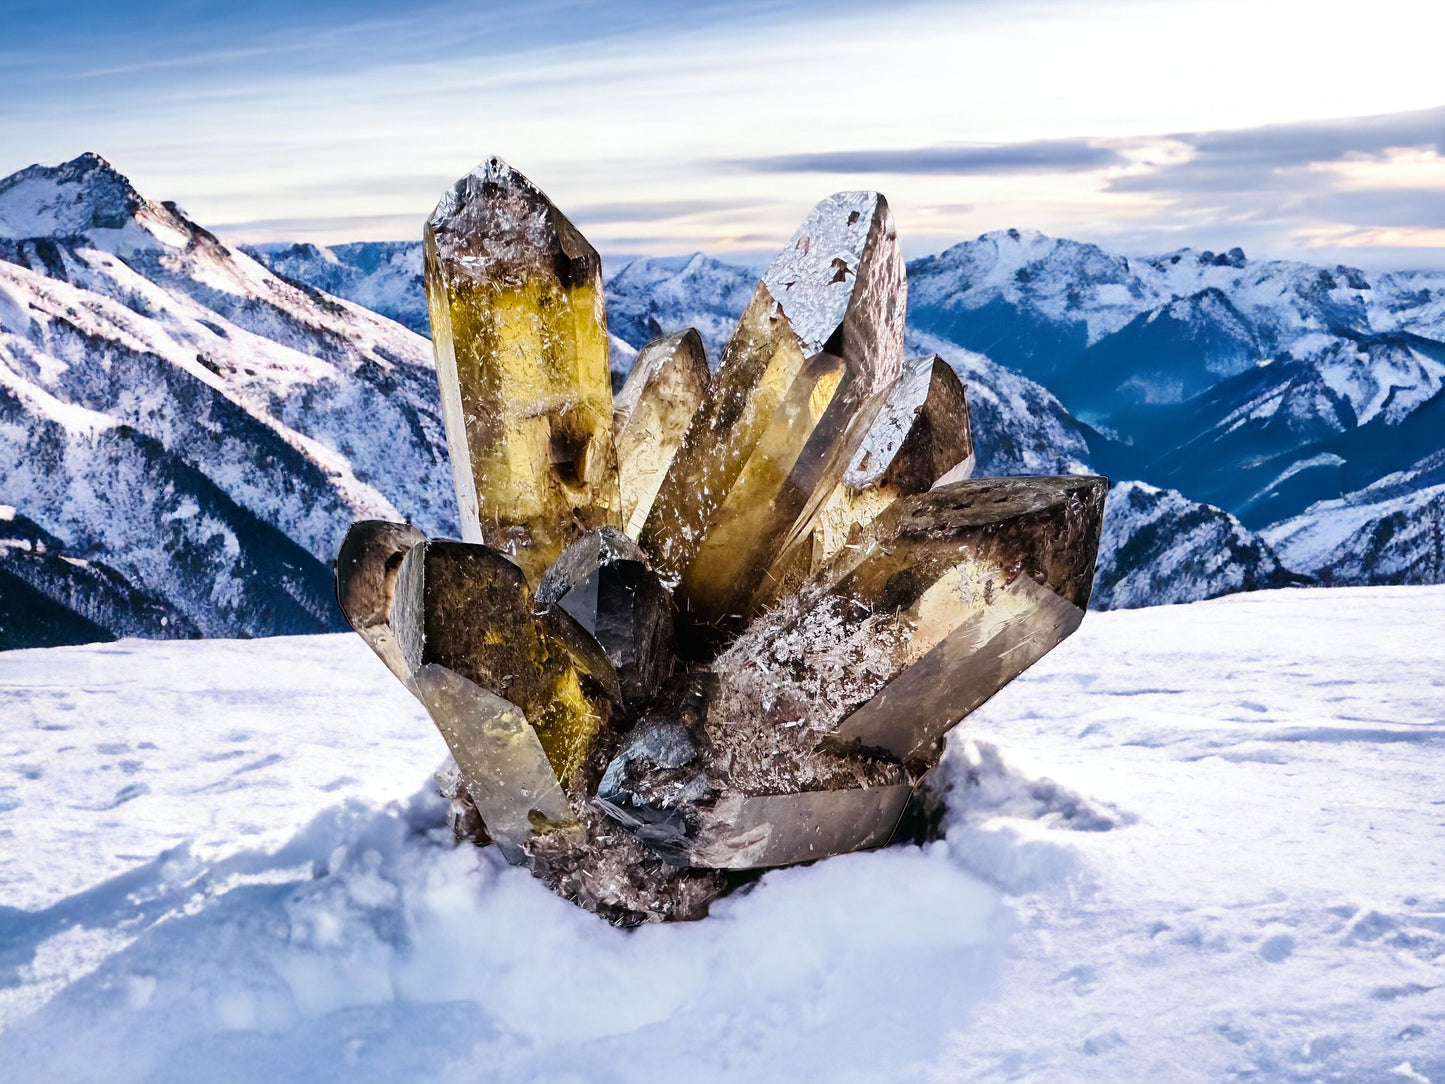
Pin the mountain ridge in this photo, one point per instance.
(253, 414)
(253, 417)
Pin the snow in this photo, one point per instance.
(891, 427)
(383, 276)
(65, 200)
(620, 356)
(139, 388)
(1382, 379)
(1193, 843)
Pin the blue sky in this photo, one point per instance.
(1310, 130)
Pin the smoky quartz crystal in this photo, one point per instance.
(722, 622)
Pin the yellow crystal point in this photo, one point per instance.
(651, 414)
(821, 338)
(467, 608)
(514, 293)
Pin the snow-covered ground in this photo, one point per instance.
(1200, 842)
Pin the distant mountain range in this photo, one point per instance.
(1277, 392)
(187, 428)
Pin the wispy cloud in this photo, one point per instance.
(1277, 155)
(959, 159)
(322, 229)
(667, 127)
(649, 210)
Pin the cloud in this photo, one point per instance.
(957, 159)
(1349, 185)
(1276, 156)
(1422, 208)
(648, 211)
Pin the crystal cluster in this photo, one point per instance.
(724, 621)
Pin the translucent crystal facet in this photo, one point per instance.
(603, 583)
(502, 763)
(467, 608)
(919, 437)
(974, 582)
(821, 338)
(652, 412)
(514, 292)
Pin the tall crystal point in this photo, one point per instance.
(822, 337)
(514, 294)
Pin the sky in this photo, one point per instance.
(1311, 130)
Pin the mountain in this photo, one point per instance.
(1268, 443)
(1226, 378)
(1258, 386)
(383, 276)
(187, 429)
(1018, 426)
(1159, 547)
(49, 598)
(1392, 531)
(654, 297)
(177, 414)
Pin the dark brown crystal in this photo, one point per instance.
(603, 583)
(366, 568)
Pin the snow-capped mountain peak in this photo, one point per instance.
(87, 198)
(67, 200)
(227, 411)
